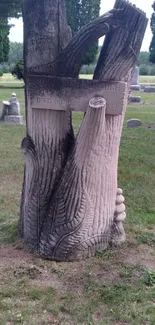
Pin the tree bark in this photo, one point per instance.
(82, 211)
(49, 134)
(70, 204)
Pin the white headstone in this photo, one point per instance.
(135, 76)
(14, 106)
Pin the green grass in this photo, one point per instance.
(8, 78)
(142, 79)
(129, 301)
(107, 289)
(147, 79)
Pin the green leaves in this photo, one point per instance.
(4, 42)
(8, 8)
(80, 13)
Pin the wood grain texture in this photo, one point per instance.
(55, 93)
(82, 210)
(46, 33)
(69, 62)
(71, 205)
(119, 52)
(84, 215)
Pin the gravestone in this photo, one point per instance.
(135, 87)
(143, 86)
(71, 205)
(135, 99)
(49, 93)
(134, 84)
(14, 106)
(5, 108)
(133, 123)
(135, 76)
(11, 112)
(149, 89)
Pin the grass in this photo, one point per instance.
(115, 287)
(8, 78)
(142, 79)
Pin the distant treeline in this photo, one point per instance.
(16, 55)
(146, 68)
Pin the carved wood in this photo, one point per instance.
(53, 93)
(70, 204)
(45, 35)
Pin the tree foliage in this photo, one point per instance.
(15, 53)
(4, 42)
(8, 9)
(18, 70)
(152, 45)
(143, 58)
(79, 13)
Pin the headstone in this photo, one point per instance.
(143, 86)
(13, 119)
(10, 113)
(14, 108)
(135, 99)
(149, 89)
(135, 87)
(135, 76)
(4, 110)
(50, 93)
(133, 123)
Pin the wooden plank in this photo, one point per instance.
(67, 94)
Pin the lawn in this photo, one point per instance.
(142, 79)
(117, 287)
(8, 78)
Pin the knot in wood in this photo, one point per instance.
(97, 102)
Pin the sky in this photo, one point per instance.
(16, 33)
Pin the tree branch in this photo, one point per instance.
(69, 62)
(121, 46)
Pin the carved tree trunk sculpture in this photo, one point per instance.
(70, 202)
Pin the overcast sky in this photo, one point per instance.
(16, 33)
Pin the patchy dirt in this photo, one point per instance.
(78, 279)
(72, 276)
(143, 255)
(150, 126)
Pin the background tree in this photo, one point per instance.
(80, 13)
(152, 45)
(4, 41)
(18, 71)
(15, 53)
(8, 9)
(144, 58)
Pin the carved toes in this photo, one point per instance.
(119, 214)
(117, 232)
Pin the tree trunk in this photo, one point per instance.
(70, 204)
(49, 134)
